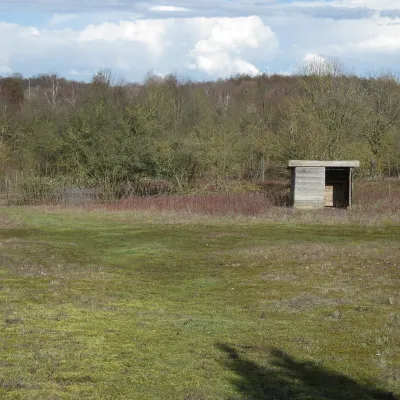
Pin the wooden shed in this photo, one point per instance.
(319, 184)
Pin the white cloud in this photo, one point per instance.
(371, 4)
(5, 47)
(74, 72)
(150, 33)
(380, 44)
(373, 36)
(33, 31)
(223, 65)
(168, 9)
(225, 42)
(210, 38)
(361, 45)
(4, 69)
(219, 50)
(215, 47)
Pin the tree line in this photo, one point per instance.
(177, 134)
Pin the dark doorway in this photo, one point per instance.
(337, 187)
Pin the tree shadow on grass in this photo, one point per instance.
(285, 378)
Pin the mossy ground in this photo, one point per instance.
(112, 306)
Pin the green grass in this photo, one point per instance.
(119, 306)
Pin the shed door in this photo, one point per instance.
(337, 187)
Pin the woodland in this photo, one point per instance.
(173, 135)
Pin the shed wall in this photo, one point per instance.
(309, 187)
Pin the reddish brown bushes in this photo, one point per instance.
(370, 199)
(373, 204)
(378, 197)
(250, 204)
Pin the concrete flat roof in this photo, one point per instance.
(329, 164)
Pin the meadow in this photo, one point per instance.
(138, 300)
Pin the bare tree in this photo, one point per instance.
(71, 97)
(8, 135)
(324, 115)
(320, 66)
(103, 77)
(52, 93)
(382, 112)
(223, 104)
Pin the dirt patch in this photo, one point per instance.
(307, 301)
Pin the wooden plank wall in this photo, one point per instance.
(309, 191)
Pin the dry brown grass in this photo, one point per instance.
(378, 196)
(373, 205)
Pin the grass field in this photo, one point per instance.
(117, 305)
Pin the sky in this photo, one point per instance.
(197, 39)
